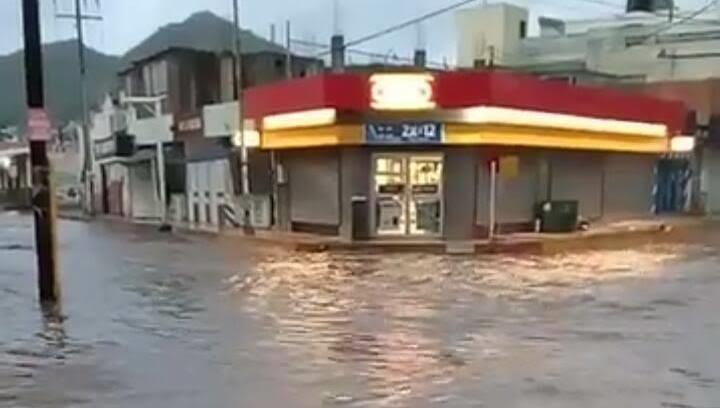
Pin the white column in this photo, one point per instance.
(493, 198)
(161, 181)
(213, 176)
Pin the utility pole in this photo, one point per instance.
(88, 151)
(671, 13)
(88, 159)
(288, 51)
(244, 168)
(38, 135)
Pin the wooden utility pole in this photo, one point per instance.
(38, 134)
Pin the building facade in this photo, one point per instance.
(431, 154)
(641, 50)
(178, 106)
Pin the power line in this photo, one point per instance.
(436, 13)
(685, 19)
(602, 3)
(405, 24)
(371, 54)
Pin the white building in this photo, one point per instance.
(125, 136)
(636, 46)
(646, 49)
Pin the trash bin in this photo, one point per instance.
(557, 216)
(360, 227)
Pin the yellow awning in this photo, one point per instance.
(472, 134)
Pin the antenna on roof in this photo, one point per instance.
(336, 18)
(420, 55)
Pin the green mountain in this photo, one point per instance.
(201, 31)
(62, 81)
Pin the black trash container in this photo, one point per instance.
(360, 224)
(557, 216)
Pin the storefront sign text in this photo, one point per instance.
(402, 92)
(404, 133)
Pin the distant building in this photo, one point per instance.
(642, 50)
(634, 47)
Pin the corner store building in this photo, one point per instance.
(420, 148)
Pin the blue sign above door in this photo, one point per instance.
(404, 133)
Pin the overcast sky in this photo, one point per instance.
(127, 22)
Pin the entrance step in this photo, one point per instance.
(460, 248)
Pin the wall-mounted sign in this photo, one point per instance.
(404, 133)
(38, 125)
(509, 167)
(402, 92)
(190, 124)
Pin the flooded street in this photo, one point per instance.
(161, 321)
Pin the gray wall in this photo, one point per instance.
(459, 189)
(322, 182)
(578, 176)
(711, 179)
(607, 185)
(355, 168)
(314, 193)
(516, 197)
(628, 186)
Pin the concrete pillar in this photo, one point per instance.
(337, 53)
(420, 59)
(459, 193)
(355, 176)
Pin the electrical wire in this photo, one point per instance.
(365, 53)
(436, 13)
(685, 19)
(603, 3)
(405, 24)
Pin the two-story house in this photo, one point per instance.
(179, 87)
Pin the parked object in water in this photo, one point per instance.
(557, 216)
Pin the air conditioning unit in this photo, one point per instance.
(649, 6)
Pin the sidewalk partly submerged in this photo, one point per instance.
(599, 236)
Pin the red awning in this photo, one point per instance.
(454, 90)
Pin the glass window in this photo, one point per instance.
(160, 81)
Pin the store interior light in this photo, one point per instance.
(402, 92)
(5, 162)
(521, 117)
(300, 119)
(682, 144)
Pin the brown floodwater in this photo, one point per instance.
(153, 320)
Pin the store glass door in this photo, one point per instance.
(407, 194)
